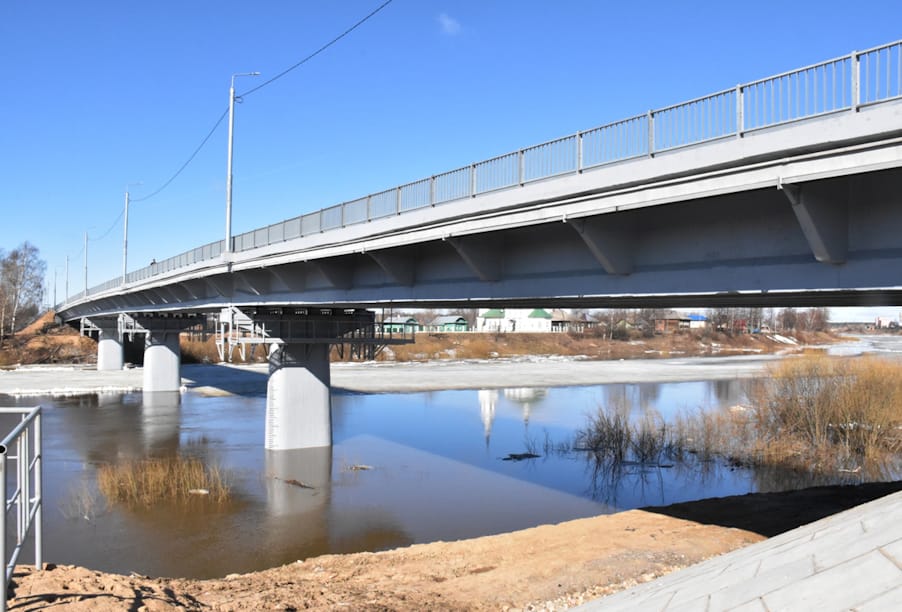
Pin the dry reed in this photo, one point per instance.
(152, 481)
(815, 414)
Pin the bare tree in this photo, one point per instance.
(21, 284)
(788, 319)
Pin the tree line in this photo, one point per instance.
(22, 273)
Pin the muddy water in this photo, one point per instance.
(434, 471)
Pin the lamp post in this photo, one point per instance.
(228, 230)
(86, 264)
(125, 234)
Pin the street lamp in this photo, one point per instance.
(228, 231)
(125, 233)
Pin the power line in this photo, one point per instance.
(318, 51)
(261, 86)
(190, 159)
(110, 229)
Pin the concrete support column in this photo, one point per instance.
(298, 397)
(162, 360)
(110, 355)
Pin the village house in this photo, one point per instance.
(400, 324)
(566, 321)
(672, 321)
(536, 320)
(448, 323)
(697, 321)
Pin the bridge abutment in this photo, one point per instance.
(298, 397)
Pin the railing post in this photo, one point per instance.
(651, 133)
(740, 111)
(369, 208)
(579, 152)
(472, 180)
(432, 190)
(521, 167)
(39, 491)
(3, 527)
(398, 200)
(855, 69)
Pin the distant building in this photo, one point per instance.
(671, 322)
(565, 321)
(697, 321)
(448, 323)
(400, 325)
(513, 320)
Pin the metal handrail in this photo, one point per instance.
(27, 496)
(690, 123)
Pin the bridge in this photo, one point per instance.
(782, 191)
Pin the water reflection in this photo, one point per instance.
(298, 482)
(106, 427)
(526, 398)
(437, 473)
(488, 400)
(160, 419)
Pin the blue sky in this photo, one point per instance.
(101, 94)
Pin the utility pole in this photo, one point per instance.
(228, 231)
(86, 264)
(125, 238)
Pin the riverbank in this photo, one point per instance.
(550, 567)
(385, 377)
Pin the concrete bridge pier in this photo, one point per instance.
(298, 397)
(162, 361)
(110, 353)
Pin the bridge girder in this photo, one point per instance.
(822, 210)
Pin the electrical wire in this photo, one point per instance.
(318, 51)
(259, 87)
(190, 159)
(110, 229)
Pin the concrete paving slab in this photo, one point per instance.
(850, 560)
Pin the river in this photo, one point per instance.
(433, 464)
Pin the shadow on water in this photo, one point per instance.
(221, 379)
(770, 514)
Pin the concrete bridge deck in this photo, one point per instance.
(848, 561)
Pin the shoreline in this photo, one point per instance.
(394, 377)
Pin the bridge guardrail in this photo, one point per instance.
(27, 495)
(845, 83)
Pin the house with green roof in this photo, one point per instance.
(400, 325)
(534, 320)
(448, 323)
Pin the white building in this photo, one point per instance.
(513, 320)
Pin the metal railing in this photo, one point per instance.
(846, 83)
(27, 495)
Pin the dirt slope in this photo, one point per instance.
(545, 568)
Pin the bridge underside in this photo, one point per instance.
(830, 242)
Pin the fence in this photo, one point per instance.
(846, 83)
(27, 495)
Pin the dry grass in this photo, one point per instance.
(838, 410)
(592, 344)
(152, 481)
(814, 414)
